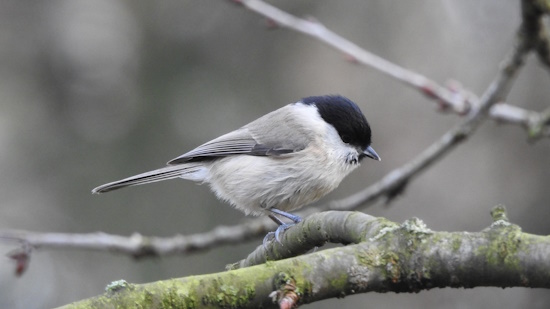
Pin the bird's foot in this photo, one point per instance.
(282, 226)
(277, 234)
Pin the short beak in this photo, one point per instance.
(369, 152)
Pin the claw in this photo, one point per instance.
(282, 226)
(276, 235)
(281, 229)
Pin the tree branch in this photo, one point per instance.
(455, 99)
(318, 31)
(394, 182)
(315, 231)
(399, 258)
(139, 246)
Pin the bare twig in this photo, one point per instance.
(139, 246)
(456, 100)
(539, 126)
(317, 30)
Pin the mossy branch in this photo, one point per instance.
(406, 257)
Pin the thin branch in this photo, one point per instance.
(456, 99)
(394, 182)
(319, 228)
(537, 124)
(540, 125)
(139, 246)
(317, 30)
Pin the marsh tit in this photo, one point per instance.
(279, 162)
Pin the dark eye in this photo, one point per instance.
(345, 138)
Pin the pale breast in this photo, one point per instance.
(255, 184)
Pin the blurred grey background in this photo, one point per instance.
(94, 91)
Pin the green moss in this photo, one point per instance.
(499, 213)
(304, 288)
(456, 244)
(250, 291)
(503, 248)
(369, 258)
(147, 300)
(171, 297)
(229, 293)
(339, 283)
(230, 296)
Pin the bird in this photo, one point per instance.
(286, 159)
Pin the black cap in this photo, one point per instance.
(345, 116)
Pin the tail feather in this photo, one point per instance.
(165, 173)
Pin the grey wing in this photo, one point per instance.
(237, 142)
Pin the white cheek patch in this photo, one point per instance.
(340, 151)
